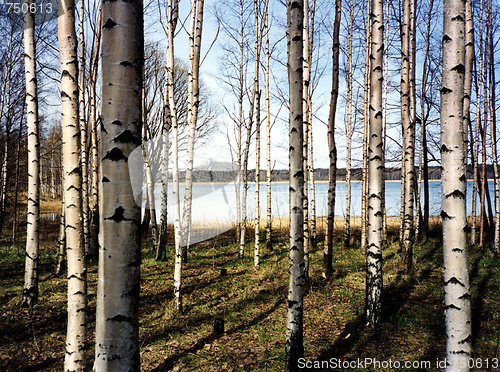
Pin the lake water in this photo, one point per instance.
(216, 202)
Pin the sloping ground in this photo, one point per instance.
(252, 304)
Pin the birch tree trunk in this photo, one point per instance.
(306, 66)
(347, 236)
(456, 277)
(16, 185)
(475, 140)
(269, 244)
(256, 259)
(61, 249)
(94, 214)
(149, 176)
(117, 333)
(375, 171)
(364, 182)
(384, 115)
(421, 231)
(493, 128)
(332, 148)
(172, 17)
(83, 134)
(258, 44)
(75, 359)
(294, 348)
(239, 223)
(192, 115)
(407, 83)
(310, 149)
(169, 118)
(30, 290)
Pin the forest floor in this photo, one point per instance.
(252, 303)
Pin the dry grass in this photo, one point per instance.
(252, 303)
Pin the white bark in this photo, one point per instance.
(30, 291)
(306, 66)
(375, 171)
(172, 23)
(269, 245)
(83, 133)
(192, 115)
(75, 359)
(347, 236)
(117, 341)
(456, 277)
(407, 119)
(294, 348)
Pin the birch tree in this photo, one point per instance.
(375, 170)
(294, 347)
(169, 119)
(332, 148)
(456, 278)
(83, 131)
(269, 245)
(172, 16)
(407, 77)
(75, 359)
(30, 290)
(347, 234)
(94, 213)
(192, 115)
(117, 333)
(492, 99)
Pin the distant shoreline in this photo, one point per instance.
(281, 182)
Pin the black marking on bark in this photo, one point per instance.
(465, 296)
(105, 179)
(65, 73)
(454, 280)
(378, 115)
(116, 122)
(109, 24)
(445, 215)
(458, 18)
(75, 172)
(445, 90)
(63, 94)
(444, 149)
(457, 250)
(456, 194)
(120, 318)
(135, 263)
(127, 137)
(446, 38)
(297, 38)
(459, 68)
(462, 178)
(292, 303)
(126, 64)
(118, 215)
(115, 155)
(451, 307)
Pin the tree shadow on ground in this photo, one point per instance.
(169, 363)
(355, 332)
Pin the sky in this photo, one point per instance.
(217, 148)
